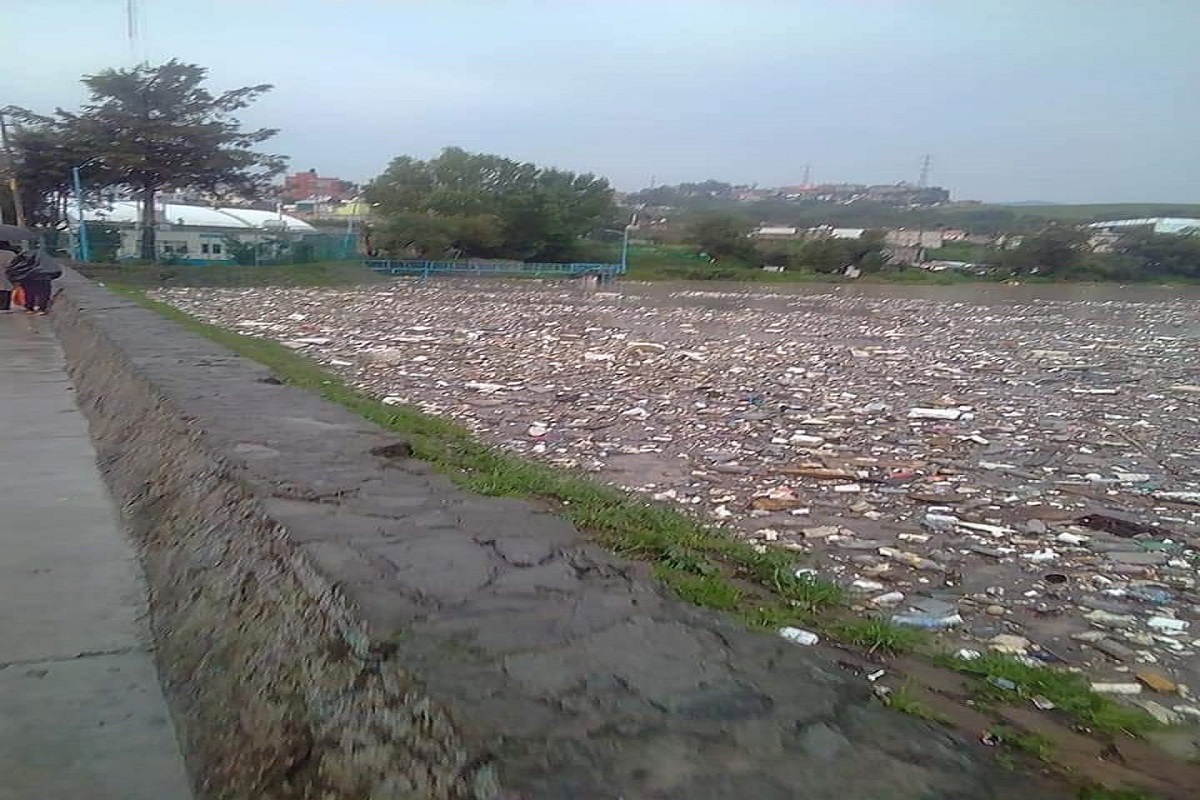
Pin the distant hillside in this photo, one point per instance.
(992, 218)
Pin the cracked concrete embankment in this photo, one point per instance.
(335, 620)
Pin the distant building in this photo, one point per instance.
(782, 233)
(847, 233)
(955, 235)
(196, 234)
(904, 194)
(326, 209)
(898, 194)
(907, 237)
(775, 233)
(1102, 241)
(903, 254)
(311, 186)
(752, 195)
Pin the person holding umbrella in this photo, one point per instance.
(34, 271)
(8, 254)
(9, 251)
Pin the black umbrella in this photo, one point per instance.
(11, 233)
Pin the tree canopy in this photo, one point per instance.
(1164, 255)
(144, 130)
(42, 166)
(475, 204)
(723, 235)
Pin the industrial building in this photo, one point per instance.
(199, 234)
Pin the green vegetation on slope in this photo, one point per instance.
(1067, 690)
(337, 273)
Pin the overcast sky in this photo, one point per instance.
(1065, 100)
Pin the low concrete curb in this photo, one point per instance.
(336, 621)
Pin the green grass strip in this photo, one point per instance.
(1068, 691)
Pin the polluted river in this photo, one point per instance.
(1016, 468)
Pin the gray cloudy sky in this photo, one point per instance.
(1066, 100)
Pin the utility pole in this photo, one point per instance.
(83, 248)
(10, 166)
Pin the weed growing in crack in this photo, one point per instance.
(878, 634)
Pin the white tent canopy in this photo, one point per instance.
(1157, 224)
(128, 212)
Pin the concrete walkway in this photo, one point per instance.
(82, 713)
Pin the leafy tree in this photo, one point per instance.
(1163, 254)
(866, 252)
(43, 157)
(723, 235)
(433, 236)
(828, 255)
(486, 205)
(825, 255)
(105, 241)
(1057, 251)
(154, 128)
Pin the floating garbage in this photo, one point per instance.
(847, 430)
(928, 621)
(934, 413)
(799, 636)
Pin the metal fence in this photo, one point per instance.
(427, 269)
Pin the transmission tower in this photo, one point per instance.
(923, 181)
(132, 32)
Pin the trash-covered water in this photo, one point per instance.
(1015, 467)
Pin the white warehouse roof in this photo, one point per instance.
(128, 211)
(1158, 224)
(847, 233)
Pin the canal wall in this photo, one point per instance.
(334, 620)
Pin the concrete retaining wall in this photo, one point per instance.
(335, 621)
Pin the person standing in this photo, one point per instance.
(8, 253)
(34, 271)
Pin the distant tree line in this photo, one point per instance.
(690, 201)
(1064, 252)
(473, 204)
(1055, 251)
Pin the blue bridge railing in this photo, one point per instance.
(426, 269)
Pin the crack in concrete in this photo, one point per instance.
(116, 651)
